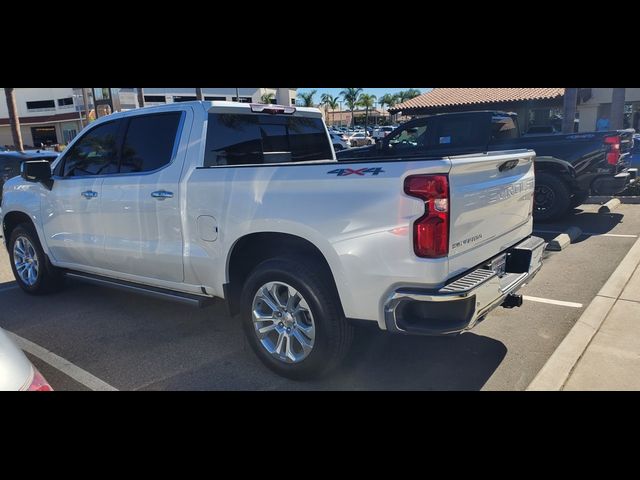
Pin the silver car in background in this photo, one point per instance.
(16, 371)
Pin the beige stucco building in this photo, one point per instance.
(47, 115)
(53, 115)
(595, 103)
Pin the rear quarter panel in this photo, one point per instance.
(360, 222)
(582, 150)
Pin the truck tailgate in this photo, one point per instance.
(491, 202)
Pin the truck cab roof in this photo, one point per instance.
(226, 107)
(479, 112)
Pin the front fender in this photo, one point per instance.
(23, 197)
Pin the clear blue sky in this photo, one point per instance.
(378, 92)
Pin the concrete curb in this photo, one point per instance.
(556, 371)
(562, 241)
(600, 199)
(610, 206)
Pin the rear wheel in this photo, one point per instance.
(293, 320)
(31, 267)
(551, 198)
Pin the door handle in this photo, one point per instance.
(161, 194)
(89, 194)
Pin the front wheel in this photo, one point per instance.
(31, 267)
(293, 320)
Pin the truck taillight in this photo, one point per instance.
(38, 383)
(613, 152)
(431, 231)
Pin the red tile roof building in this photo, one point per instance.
(534, 106)
(449, 97)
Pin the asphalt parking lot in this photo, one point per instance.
(136, 343)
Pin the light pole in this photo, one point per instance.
(76, 96)
(238, 95)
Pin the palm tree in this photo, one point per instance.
(14, 120)
(333, 105)
(397, 98)
(351, 96)
(327, 100)
(85, 101)
(569, 110)
(267, 97)
(367, 101)
(388, 100)
(617, 109)
(199, 94)
(405, 95)
(141, 97)
(307, 98)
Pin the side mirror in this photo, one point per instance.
(37, 171)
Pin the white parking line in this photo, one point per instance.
(10, 287)
(59, 363)
(590, 234)
(552, 302)
(610, 235)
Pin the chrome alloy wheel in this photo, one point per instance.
(25, 260)
(283, 322)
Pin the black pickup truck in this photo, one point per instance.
(569, 167)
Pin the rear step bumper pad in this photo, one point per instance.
(462, 303)
(616, 183)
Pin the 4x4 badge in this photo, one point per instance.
(343, 172)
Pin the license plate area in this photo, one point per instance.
(498, 264)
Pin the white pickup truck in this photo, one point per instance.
(247, 203)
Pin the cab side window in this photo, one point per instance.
(149, 142)
(409, 138)
(458, 131)
(96, 153)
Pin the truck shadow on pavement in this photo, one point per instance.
(135, 342)
(377, 361)
(589, 222)
(383, 361)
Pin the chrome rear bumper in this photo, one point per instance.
(466, 300)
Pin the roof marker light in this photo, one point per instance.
(273, 109)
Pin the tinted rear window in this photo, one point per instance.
(458, 131)
(503, 128)
(149, 142)
(244, 139)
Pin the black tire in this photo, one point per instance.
(552, 198)
(579, 198)
(48, 278)
(333, 334)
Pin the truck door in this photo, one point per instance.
(70, 210)
(140, 207)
